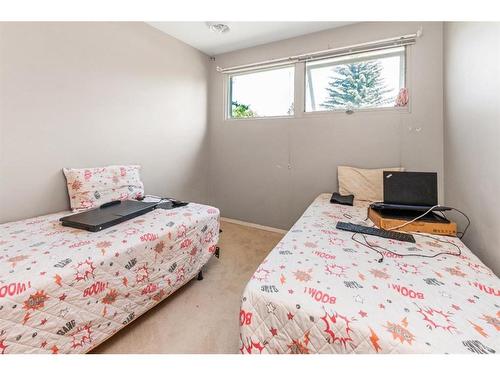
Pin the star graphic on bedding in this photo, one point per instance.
(270, 308)
(359, 299)
(63, 312)
(446, 295)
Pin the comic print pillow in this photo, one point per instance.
(91, 187)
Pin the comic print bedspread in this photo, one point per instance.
(319, 291)
(65, 290)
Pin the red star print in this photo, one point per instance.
(43, 321)
(274, 331)
(54, 349)
(117, 255)
(381, 306)
(289, 316)
(290, 291)
(362, 314)
(62, 297)
(456, 307)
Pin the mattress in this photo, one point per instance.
(319, 291)
(64, 290)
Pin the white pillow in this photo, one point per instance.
(91, 187)
(364, 184)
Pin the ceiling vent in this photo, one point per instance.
(218, 27)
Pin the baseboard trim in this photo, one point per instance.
(252, 225)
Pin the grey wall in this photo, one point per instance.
(472, 132)
(94, 94)
(268, 171)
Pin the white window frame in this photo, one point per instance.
(402, 72)
(300, 93)
(228, 93)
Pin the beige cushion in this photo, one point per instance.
(364, 184)
(91, 187)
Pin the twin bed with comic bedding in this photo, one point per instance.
(323, 290)
(65, 290)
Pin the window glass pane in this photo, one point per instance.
(261, 94)
(365, 80)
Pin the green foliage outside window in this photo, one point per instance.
(240, 110)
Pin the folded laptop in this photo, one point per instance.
(108, 215)
(410, 191)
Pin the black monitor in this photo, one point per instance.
(411, 188)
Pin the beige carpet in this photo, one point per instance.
(203, 316)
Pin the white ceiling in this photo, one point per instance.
(241, 34)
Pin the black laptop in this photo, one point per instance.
(410, 191)
(108, 215)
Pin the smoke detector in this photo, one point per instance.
(218, 27)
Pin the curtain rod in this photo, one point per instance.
(328, 53)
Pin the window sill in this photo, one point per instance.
(396, 110)
(261, 118)
(355, 111)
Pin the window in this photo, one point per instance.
(363, 80)
(261, 94)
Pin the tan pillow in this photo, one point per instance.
(91, 187)
(364, 184)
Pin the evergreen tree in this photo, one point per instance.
(357, 85)
(239, 110)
